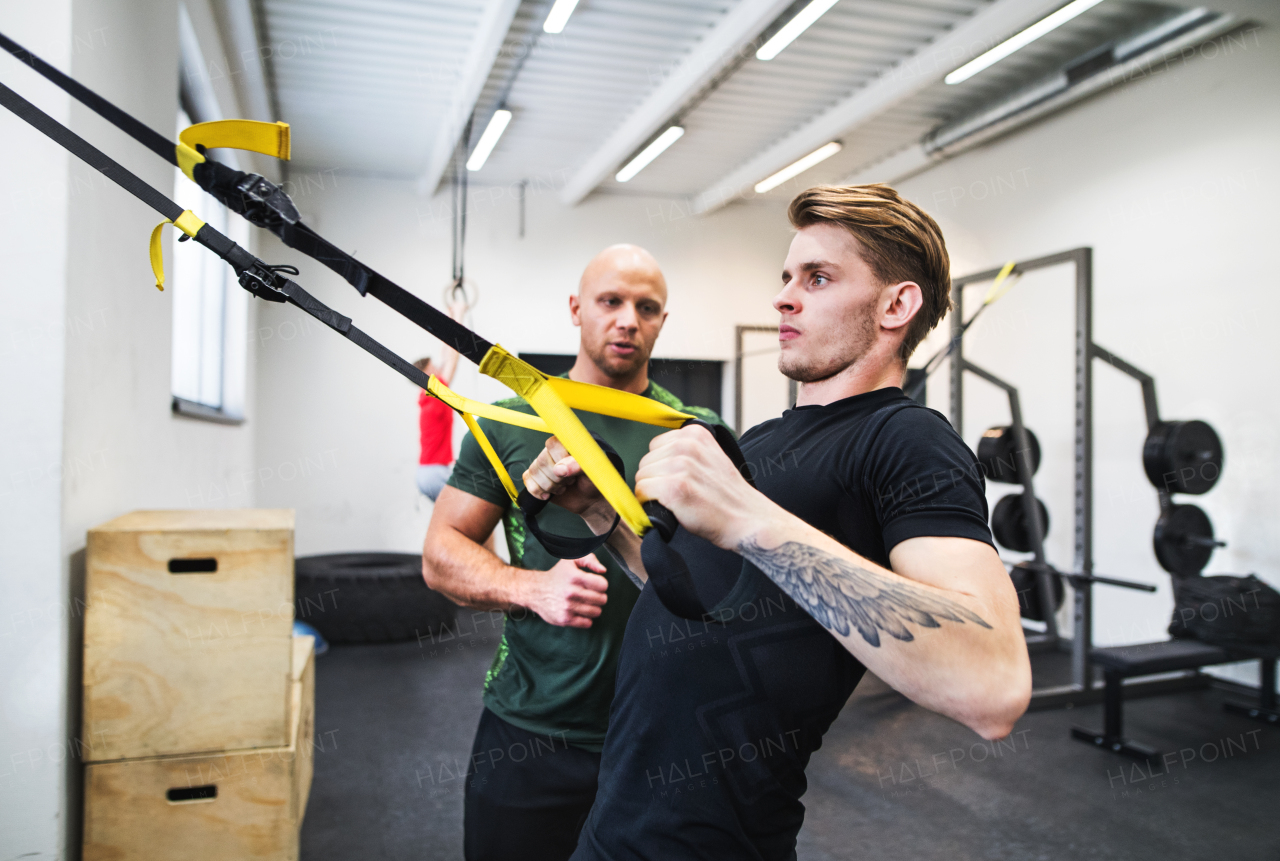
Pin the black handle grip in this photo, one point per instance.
(530, 504)
(662, 518)
(565, 546)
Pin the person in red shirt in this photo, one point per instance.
(435, 420)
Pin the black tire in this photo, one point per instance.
(368, 597)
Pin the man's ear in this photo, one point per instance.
(574, 305)
(902, 302)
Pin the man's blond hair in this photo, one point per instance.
(898, 240)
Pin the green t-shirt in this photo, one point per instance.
(548, 679)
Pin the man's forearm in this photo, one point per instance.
(947, 650)
(470, 575)
(623, 544)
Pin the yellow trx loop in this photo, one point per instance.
(469, 409)
(267, 138)
(188, 223)
(554, 400)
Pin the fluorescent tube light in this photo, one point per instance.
(559, 15)
(649, 153)
(822, 153)
(1021, 40)
(802, 21)
(488, 140)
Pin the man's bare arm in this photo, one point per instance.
(956, 648)
(556, 475)
(942, 628)
(456, 564)
(448, 355)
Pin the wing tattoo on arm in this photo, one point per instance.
(842, 596)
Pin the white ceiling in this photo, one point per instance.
(369, 84)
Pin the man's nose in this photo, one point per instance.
(627, 319)
(788, 300)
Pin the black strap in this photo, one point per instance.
(89, 154)
(255, 276)
(666, 569)
(668, 573)
(268, 208)
(143, 134)
(565, 546)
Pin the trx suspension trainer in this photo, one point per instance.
(262, 203)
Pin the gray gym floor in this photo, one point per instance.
(892, 781)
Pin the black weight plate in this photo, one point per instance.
(996, 450)
(1176, 548)
(1024, 581)
(1183, 457)
(1009, 524)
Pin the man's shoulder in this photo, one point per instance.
(662, 396)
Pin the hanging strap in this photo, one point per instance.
(135, 129)
(267, 283)
(267, 138)
(1000, 286)
(188, 223)
(265, 205)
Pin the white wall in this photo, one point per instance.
(337, 432)
(33, 589)
(1173, 181)
(86, 384)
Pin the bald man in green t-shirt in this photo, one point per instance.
(534, 764)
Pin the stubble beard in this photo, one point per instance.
(845, 352)
(617, 368)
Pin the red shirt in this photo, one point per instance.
(435, 423)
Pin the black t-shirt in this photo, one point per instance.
(712, 725)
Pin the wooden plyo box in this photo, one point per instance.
(245, 805)
(188, 624)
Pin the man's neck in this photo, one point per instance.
(585, 371)
(865, 375)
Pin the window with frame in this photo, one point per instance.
(210, 314)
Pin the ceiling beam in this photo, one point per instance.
(495, 23)
(921, 70)
(717, 51)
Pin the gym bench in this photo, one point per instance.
(1145, 659)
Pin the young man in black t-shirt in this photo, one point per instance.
(864, 546)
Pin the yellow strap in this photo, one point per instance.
(267, 138)
(469, 409)
(188, 223)
(611, 402)
(995, 292)
(531, 384)
(488, 411)
(487, 447)
(554, 399)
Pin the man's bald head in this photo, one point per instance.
(620, 308)
(628, 263)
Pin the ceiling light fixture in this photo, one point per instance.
(1021, 40)
(488, 140)
(796, 168)
(559, 15)
(649, 153)
(802, 21)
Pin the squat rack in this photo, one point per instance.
(1082, 688)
